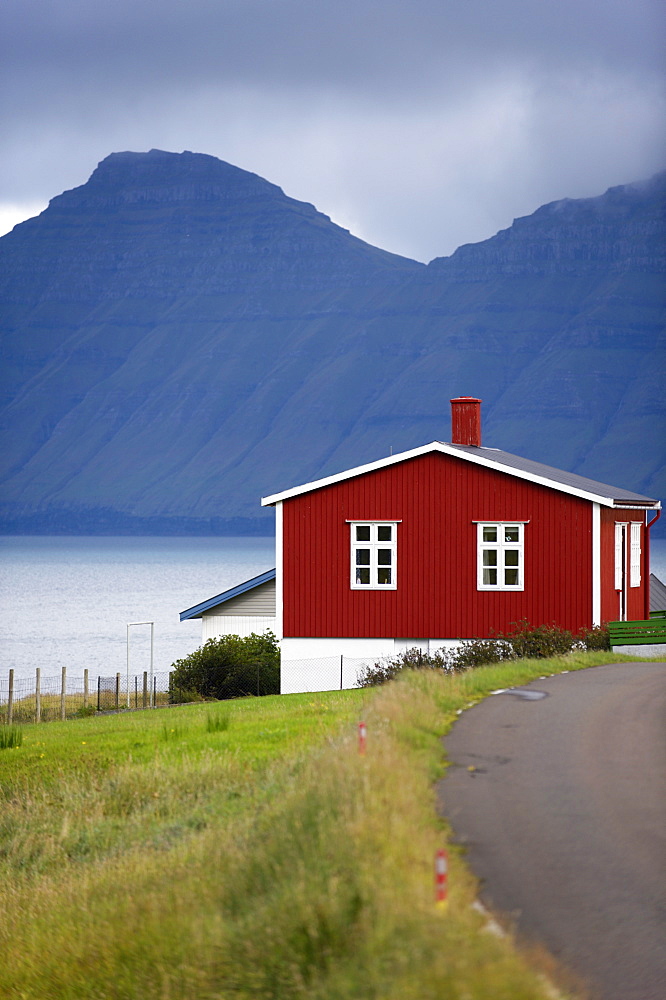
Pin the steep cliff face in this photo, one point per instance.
(621, 230)
(179, 338)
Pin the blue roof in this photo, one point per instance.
(242, 588)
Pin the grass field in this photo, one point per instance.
(246, 850)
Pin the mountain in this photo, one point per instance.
(180, 338)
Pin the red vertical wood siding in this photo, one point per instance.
(436, 498)
(610, 601)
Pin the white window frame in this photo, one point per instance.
(375, 547)
(501, 546)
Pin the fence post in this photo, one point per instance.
(341, 668)
(10, 697)
(145, 689)
(99, 692)
(38, 694)
(136, 691)
(63, 694)
(117, 692)
(154, 692)
(86, 691)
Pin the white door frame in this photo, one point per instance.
(621, 567)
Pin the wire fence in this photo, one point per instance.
(44, 699)
(323, 673)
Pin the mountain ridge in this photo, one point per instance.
(212, 229)
(589, 222)
(180, 338)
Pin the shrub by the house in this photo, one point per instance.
(524, 641)
(229, 667)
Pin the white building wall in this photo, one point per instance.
(316, 664)
(214, 626)
(334, 664)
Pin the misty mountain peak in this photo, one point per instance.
(623, 228)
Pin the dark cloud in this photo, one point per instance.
(421, 124)
(322, 43)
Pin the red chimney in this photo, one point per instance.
(466, 421)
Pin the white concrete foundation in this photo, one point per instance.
(658, 649)
(334, 664)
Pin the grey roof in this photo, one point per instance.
(525, 468)
(227, 595)
(657, 594)
(507, 460)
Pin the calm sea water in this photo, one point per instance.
(67, 601)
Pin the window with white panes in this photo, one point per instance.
(500, 552)
(374, 555)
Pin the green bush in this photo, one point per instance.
(524, 641)
(85, 713)
(477, 653)
(536, 642)
(380, 672)
(182, 696)
(411, 659)
(229, 667)
(597, 637)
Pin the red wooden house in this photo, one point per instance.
(445, 542)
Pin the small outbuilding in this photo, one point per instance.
(248, 607)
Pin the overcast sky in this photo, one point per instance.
(418, 124)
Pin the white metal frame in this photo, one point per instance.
(152, 649)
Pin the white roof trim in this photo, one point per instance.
(444, 449)
(339, 477)
(630, 506)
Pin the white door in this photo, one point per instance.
(621, 569)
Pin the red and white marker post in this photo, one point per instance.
(441, 879)
(361, 738)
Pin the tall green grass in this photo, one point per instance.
(10, 737)
(263, 859)
(217, 722)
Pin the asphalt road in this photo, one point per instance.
(564, 819)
